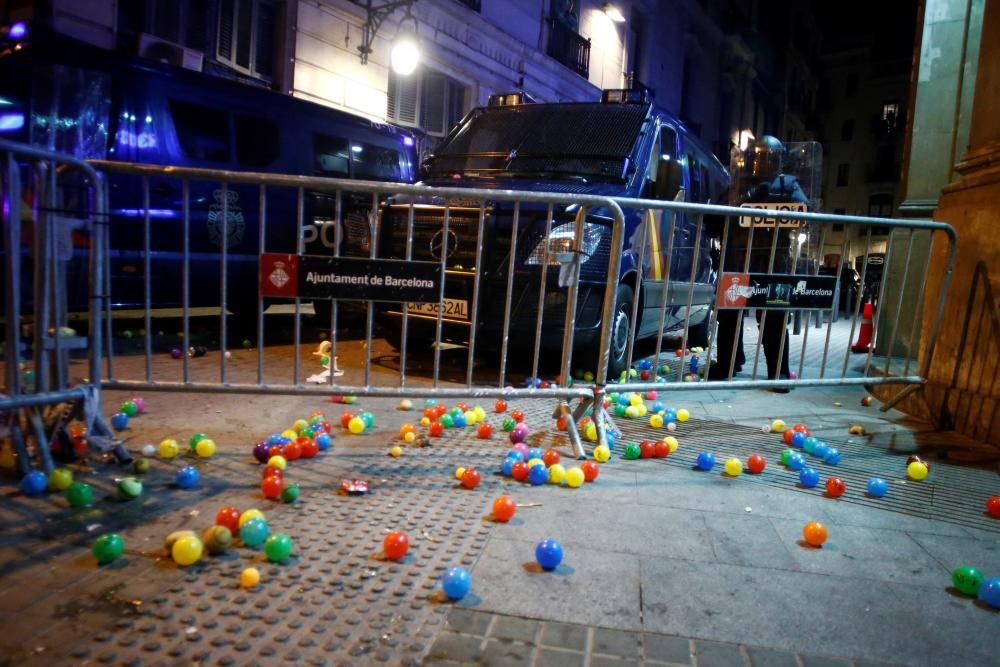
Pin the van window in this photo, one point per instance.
(257, 142)
(331, 156)
(203, 132)
(695, 177)
(376, 162)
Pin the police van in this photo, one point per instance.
(95, 104)
(623, 146)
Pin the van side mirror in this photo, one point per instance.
(669, 180)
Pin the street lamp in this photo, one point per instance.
(613, 13)
(404, 55)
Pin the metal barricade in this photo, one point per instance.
(53, 208)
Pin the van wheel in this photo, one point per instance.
(621, 331)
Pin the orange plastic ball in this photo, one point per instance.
(470, 478)
(550, 458)
(346, 418)
(436, 429)
(395, 545)
(590, 470)
(500, 406)
(814, 533)
(518, 416)
(504, 508)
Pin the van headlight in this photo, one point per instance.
(562, 240)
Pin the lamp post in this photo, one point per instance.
(405, 55)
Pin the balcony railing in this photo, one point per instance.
(569, 48)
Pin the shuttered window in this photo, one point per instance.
(246, 36)
(426, 100)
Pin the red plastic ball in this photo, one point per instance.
(661, 450)
(504, 508)
(561, 424)
(519, 471)
(756, 463)
(309, 449)
(590, 470)
(644, 376)
(550, 458)
(272, 486)
(230, 518)
(463, 406)
(276, 450)
(430, 413)
(518, 416)
(646, 449)
(583, 423)
(993, 506)
(270, 471)
(470, 478)
(801, 428)
(500, 406)
(436, 429)
(440, 409)
(484, 431)
(544, 384)
(835, 487)
(326, 426)
(293, 451)
(346, 418)
(395, 545)
(787, 435)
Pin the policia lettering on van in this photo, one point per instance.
(622, 146)
(95, 104)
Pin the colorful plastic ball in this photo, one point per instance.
(60, 479)
(149, 450)
(507, 467)
(436, 429)
(79, 494)
(217, 539)
(808, 477)
(798, 439)
(993, 506)
(356, 425)
(395, 545)
(734, 467)
(248, 515)
(833, 456)
(661, 449)
(520, 471)
(346, 418)
(509, 424)
(309, 448)
(249, 577)
(705, 461)
(129, 488)
(278, 547)
(324, 441)
(533, 462)
(471, 478)
(591, 432)
(814, 533)
(549, 554)
(518, 452)
(119, 421)
(796, 462)
(917, 471)
(396, 451)
(756, 464)
(821, 450)
(778, 425)
(140, 404)
(129, 408)
(169, 448)
(590, 470)
(278, 462)
(175, 352)
(786, 455)
(550, 458)
(656, 420)
(195, 439)
(187, 477)
(479, 412)
(809, 444)
(670, 415)
(459, 420)
(835, 487)
(500, 406)
(406, 404)
(108, 548)
(228, 517)
(254, 532)
(989, 592)
(877, 487)
(672, 443)
(459, 471)
(646, 449)
(519, 433)
(269, 472)
(290, 493)
(261, 451)
(602, 453)
(632, 451)
(187, 550)
(34, 483)
(517, 416)
(575, 477)
(536, 453)
(683, 415)
(484, 431)
(292, 451)
(504, 508)
(538, 474)
(557, 474)
(205, 448)
(967, 579)
(456, 582)
(271, 487)
(787, 436)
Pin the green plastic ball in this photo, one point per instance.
(130, 408)
(79, 494)
(278, 547)
(141, 466)
(129, 488)
(967, 579)
(448, 422)
(195, 439)
(785, 456)
(632, 451)
(60, 479)
(290, 493)
(247, 344)
(108, 548)
(509, 423)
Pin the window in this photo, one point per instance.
(202, 132)
(847, 130)
(376, 162)
(246, 36)
(180, 21)
(331, 156)
(843, 175)
(426, 100)
(880, 206)
(890, 115)
(257, 142)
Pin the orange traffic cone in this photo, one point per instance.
(865, 335)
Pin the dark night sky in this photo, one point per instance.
(889, 24)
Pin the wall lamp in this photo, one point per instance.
(405, 55)
(613, 13)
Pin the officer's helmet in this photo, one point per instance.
(765, 162)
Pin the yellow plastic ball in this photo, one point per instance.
(470, 417)
(396, 451)
(300, 425)
(290, 434)
(249, 577)
(734, 467)
(557, 473)
(169, 448)
(356, 425)
(635, 399)
(642, 409)
(656, 421)
(591, 432)
(672, 443)
(778, 426)
(410, 436)
(406, 404)
(631, 412)
(602, 453)
(683, 415)
(406, 428)
(532, 462)
(425, 421)
(205, 448)
(574, 477)
(187, 550)
(459, 472)
(251, 514)
(278, 462)
(480, 413)
(917, 471)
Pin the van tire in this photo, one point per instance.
(622, 329)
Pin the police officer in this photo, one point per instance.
(762, 182)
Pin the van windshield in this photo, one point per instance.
(577, 140)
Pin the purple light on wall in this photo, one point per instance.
(18, 31)
(11, 122)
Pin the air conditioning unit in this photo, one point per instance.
(160, 50)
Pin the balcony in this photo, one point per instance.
(569, 48)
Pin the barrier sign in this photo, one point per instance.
(349, 278)
(762, 220)
(768, 290)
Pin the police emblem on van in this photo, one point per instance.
(234, 224)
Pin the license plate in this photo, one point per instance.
(454, 308)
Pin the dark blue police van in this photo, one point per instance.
(94, 104)
(623, 146)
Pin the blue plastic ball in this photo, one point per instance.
(549, 554)
(706, 461)
(796, 461)
(693, 364)
(538, 474)
(623, 399)
(658, 406)
(368, 418)
(187, 477)
(507, 467)
(324, 441)
(119, 421)
(254, 532)
(645, 365)
(535, 453)
(459, 421)
(809, 478)
(456, 582)
(798, 439)
(34, 483)
(610, 437)
(275, 439)
(809, 444)
(516, 455)
(989, 592)
(821, 449)
(430, 402)
(832, 457)
(877, 487)
(670, 416)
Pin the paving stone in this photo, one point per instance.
(451, 646)
(609, 661)
(564, 635)
(519, 629)
(717, 654)
(547, 657)
(617, 642)
(823, 661)
(768, 657)
(667, 648)
(468, 622)
(503, 653)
